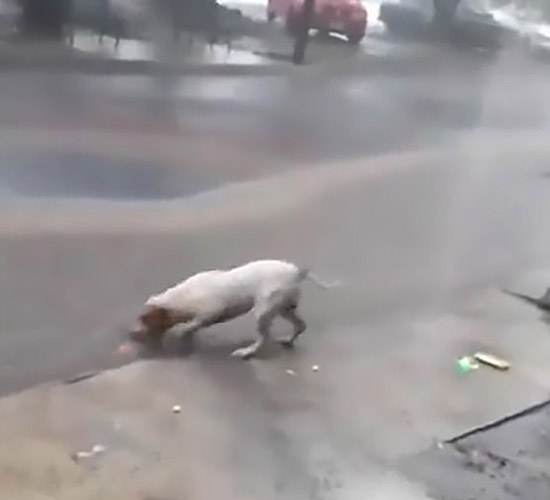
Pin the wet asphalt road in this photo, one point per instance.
(112, 139)
(285, 118)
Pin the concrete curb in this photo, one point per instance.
(27, 59)
(372, 64)
(135, 67)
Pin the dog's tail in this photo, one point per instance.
(307, 274)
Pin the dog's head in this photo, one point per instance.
(152, 325)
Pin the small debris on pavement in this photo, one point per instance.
(493, 361)
(481, 460)
(290, 372)
(126, 348)
(96, 450)
(176, 409)
(474, 459)
(315, 368)
(466, 364)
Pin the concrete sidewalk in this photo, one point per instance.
(270, 428)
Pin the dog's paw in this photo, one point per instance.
(243, 353)
(151, 350)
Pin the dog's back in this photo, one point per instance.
(258, 271)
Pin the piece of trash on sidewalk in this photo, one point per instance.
(493, 361)
(315, 368)
(466, 364)
(176, 409)
(475, 460)
(96, 450)
(290, 372)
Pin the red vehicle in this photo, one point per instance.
(347, 17)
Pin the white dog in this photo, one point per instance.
(270, 287)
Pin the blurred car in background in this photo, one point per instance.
(407, 16)
(136, 19)
(474, 24)
(346, 17)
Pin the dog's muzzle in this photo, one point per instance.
(138, 335)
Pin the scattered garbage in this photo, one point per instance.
(290, 372)
(96, 450)
(176, 409)
(315, 368)
(467, 364)
(481, 460)
(475, 460)
(493, 361)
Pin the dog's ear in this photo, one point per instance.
(163, 317)
(155, 317)
(153, 322)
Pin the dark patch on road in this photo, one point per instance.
(67, 174)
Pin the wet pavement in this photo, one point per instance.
(423, 194)
(281, 116)
(419, 291)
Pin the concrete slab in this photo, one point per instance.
(154, 453)
(505, 463)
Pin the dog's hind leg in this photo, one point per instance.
(291, 315)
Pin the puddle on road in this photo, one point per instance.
(72, 175)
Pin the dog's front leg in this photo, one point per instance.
(187, 331)
(264, 324)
